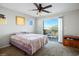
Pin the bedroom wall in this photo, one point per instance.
(11, 27)
(70, 22)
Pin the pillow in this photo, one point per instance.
(21, 33)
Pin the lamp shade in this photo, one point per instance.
(3, 19)
(2, 16)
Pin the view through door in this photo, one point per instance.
(51, 29)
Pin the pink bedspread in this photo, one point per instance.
(30, 41)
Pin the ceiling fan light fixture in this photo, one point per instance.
(39, 13)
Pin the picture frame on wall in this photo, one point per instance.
(31, 22)
(20, 20)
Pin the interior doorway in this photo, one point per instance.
(53, 29)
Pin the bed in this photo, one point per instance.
(29, 43)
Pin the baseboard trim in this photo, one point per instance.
(5, 46)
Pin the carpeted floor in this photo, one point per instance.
(51, 49)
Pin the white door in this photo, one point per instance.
(60, 30)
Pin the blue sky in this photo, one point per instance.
(50, 22)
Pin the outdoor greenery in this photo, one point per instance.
(53, 30)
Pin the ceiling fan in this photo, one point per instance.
(40, 8)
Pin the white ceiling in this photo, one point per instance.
(26, 8)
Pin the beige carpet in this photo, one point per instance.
(51, 49)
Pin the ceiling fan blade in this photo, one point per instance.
(47, 6)
(46, 11)
(40, 5)
(36, 5)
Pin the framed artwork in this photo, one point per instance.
(20, 20)
(30, 22)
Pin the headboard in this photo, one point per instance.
(20, 33)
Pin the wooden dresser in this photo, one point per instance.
(72, 42)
